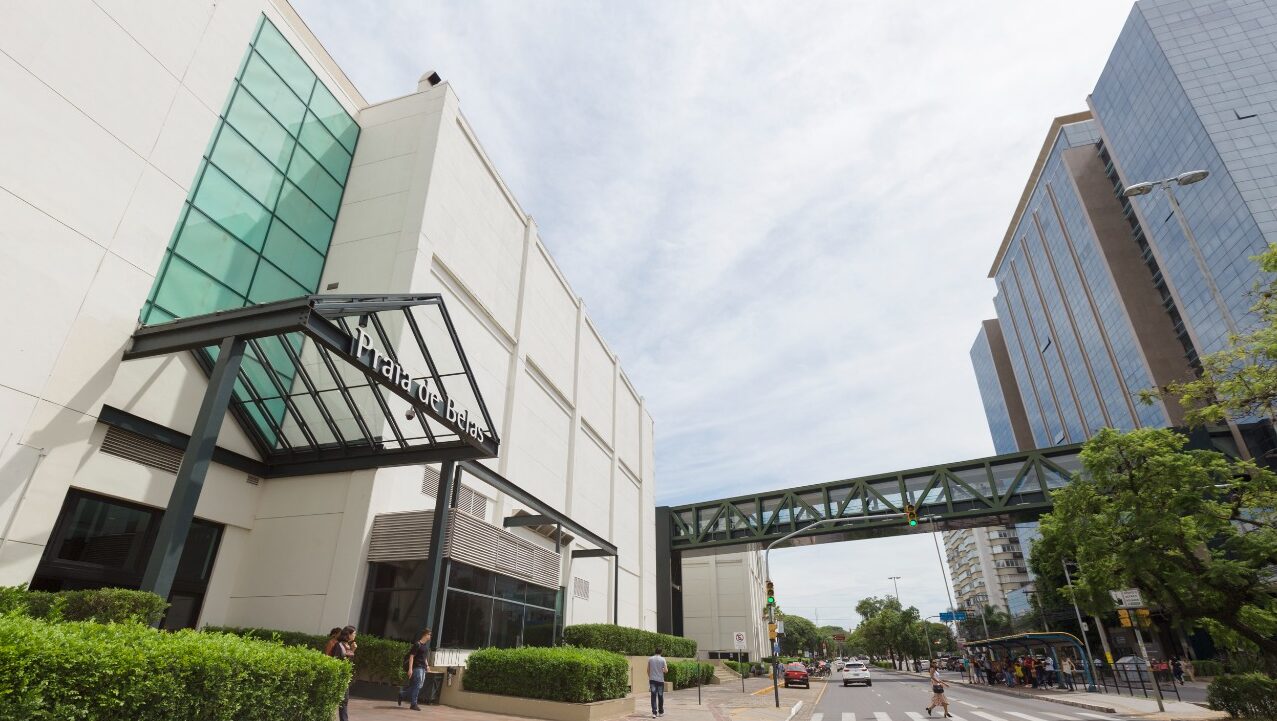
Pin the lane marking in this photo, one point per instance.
(989, 716)
(1060, 716)
(1026, 716)
(1093, 715)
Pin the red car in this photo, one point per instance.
(796, 673)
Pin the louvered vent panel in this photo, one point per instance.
(581, 588)
(496, 549)
(140, 449)
(400, 536)
(430, 482)
(476, 504)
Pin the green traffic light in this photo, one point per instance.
(771, 600)
(913, 522)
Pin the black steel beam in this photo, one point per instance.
(163, 434)
(592, 553)
(209, 330)
(438, 541)
(358, 459)
(664, 560)
(497, 481)
(170, 539)
(524, 521)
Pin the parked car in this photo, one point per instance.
(855, 672)
(796, 674)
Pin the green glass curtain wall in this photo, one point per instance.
(257, 223)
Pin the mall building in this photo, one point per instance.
(197, 198)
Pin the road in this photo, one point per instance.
(901, 697)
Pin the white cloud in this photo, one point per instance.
(781, 215)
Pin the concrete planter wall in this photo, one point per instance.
(454, 696)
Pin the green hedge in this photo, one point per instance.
(1250, 695)
(77, 671)
(104, 605)
(1207, 667)
(378, 660)
(683, 673)
(627, 641)
(575, 675)
(741, 668)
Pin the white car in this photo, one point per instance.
(856, 672)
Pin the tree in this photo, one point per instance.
(1239, 382)
(800, 636)
(1194, 530)
(827, 633)
(997, 620)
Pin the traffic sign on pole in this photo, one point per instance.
(953, 616)
(738, 638)
(840, 637)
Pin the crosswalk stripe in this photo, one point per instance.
(848, 716)
(914, 715)
(1060, 716)
(881, 716)
(1093, 715)
(1026, 716)
(818, 717)
(989, 716)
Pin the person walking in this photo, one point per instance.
(332, 639)
(656, 670)
(937, 691)
(417, 666)
(1066, 672)
(1177, 668)
(344, 649)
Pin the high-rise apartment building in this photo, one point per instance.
(1099, 296)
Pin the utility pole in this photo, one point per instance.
(1081, 626)
(896, 586)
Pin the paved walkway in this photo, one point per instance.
(723, 702)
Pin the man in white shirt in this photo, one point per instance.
(656, 670)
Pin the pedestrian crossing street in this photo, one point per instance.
(970, 716)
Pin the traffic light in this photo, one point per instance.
(771, 594)
(1124, 618)
(911, 514)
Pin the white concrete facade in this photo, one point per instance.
(108, 108)
(984, 565)
(723, 594)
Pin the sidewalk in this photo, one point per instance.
(720, 702)
(1130, 707)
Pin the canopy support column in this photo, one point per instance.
(438, 539)
(171, 538)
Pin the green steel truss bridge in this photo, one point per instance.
(980, 492)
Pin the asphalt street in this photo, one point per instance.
(901, 697)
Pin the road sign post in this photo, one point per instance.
(738, 639)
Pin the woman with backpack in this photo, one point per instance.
(416, 664)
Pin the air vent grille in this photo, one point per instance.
(580, 588)
(140, 449)
(469, 501)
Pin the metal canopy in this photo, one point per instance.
(342, 382)
(1011, 487)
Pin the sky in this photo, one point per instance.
(781, 215)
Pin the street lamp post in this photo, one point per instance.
(767, 574)
(895, 585)
(1167, 184)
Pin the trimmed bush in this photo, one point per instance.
(627, 641)
(741, 668)
(1250, 695)
(1207, 667)
(104, 605)
(378, 660)
(76, 671)
(575, 675)
(683, 673)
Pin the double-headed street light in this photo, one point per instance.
(1166, 184)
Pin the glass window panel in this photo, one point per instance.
(507, 624)
(334, 117)
(197, 555)
(538, 596)
(311, 177)
(304, 217)
(321, 144)
(106, 534)
(234, 156)
(216, 252)
(186, 292)
(273, 93)
(538, 627)
(260, 128)
(294, 256)
(281, 56)
(395, 614)
(271, 284)
(153, 315)
(314, 418)
(231, 207)
(469, 578)
(466, 621)
(510, 588)
(256, 374)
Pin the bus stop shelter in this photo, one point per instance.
(1031, 643)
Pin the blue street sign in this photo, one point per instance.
(953, 615)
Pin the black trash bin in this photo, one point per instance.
(432, 688)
